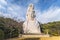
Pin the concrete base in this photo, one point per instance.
(34, 35)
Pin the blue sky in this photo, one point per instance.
(46, 10)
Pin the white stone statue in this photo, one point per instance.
(31, 25)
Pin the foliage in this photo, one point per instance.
(10, 27)
(1, 35)
(52, 27)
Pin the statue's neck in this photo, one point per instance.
(30, 19)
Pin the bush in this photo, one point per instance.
(10, 27)
(15, 32)
(1, 35)
(53, 28)
(11, 32)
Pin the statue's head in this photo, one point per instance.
(31, 12)
(31, 6)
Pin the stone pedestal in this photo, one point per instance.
(35, 35)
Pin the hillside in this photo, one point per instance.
(12, 28)
(52, 28)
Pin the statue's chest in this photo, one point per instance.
(32, 24)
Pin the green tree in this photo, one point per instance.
(1, 35)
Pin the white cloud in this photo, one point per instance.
(16, 11)
(0, 13)
(13, 11)
(52, 14)
(3, 1)
(0, 6)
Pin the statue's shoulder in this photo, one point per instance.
(25, 23)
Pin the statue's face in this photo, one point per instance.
(33, 14)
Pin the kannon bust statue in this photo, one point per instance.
(31, 25)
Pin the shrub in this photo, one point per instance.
(15, 32)
(1, 35)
